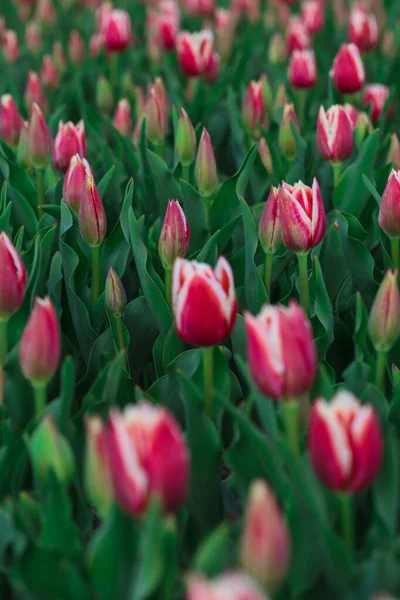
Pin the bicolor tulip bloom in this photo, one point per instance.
(297, 37)
(312, 14)
(363, 28)
(348, 73)
(303, 69)
(375, 96)
(70, 140)
(196, 54)
(115, 28)
(389, 211)
(12, 278)
(334, 133)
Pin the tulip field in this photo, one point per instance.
(199, 300)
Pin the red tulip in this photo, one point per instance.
(70, 140)
(312, 14)
(116, 30)
(281, 351)
(195, 50)
(384, 318)
(204, 301)
(345, 443)
(12, 278)
(49, 74)
(301, 216)
(231, 586)
(174, 236)
(334, 134)
(39, 138)
(269, 231)
(10, 120)
(297, 37)
(303, 69)
(123, 117)
(92, 216)
(75, 182)
(363, 28)
(34, 93)
(39, 350)
(389, 211)
(376, 95)
(348, 71)
(254, 112)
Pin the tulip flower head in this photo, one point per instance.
(115, 29)
(394, 151)
(376, 96)
(384, 318)
(185, 141)
(10, 46)
(115, 294)
(39, 139)
(303, 69)
(74, 182)
(123, 117)
(76, 48)
(51, 452)
(70, 140)
(334, 134)
(312, 14)
(92, 216)
(205, 167)
(230, 586)
(348, 73)
(12, 278)
(10, 120)
(174, 237)
(363, 28)
(269, 232)
(389, 211)
(98, 482)
(287, 140)
(254, 112)
(49, 74)
(297, 37)
(34, 93)
(196, 54)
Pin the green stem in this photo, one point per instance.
(336, 168)
(301, 105)
(3, 341)
(168, 286)
(40, 190)
(160, 149)
(394, 244)
(346, 520)
(121, 341)
(40, 397)
(291, 413)
(380, 369)
(207, 205)
(268, 273)
(303, 271)
(186, 173)
(95, 274)
(114, 72)
(208, 380)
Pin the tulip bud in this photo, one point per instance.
(253, 109)
(39, 139)
(123, 118)
(376, 96)
(389, 47)
(174, 236)
(39, 349)
(265, 156)
(389, 211)
(225, 28)
(384, 318)
(352, 113)
(363, 28)
(231, 586)
(363, 128)
(140, 102)
(76, 48)
(104, 95)
(92, 217)
(10, 46)
(74, 182)
(50, 451)
(287, 141)
(156, 120)
(276, 50)
(162, 95)
(97, 475)
(116, 30)
(10, 120)
(205, 167)
(302, 69)
(33, 38)
(281, 98)
(269, 232)
(185, 141)
(297, 37)
(49, 74)
(95, 45)
(345, 443)
(394, 152)
(197, 289)
(23, 158)
(334, 134)
(265, 542)
(312, 14)
(46, 13)
(59, 58)
(34, 93)
(348, 73)
(12, 278)
(115, 295)
(70, 140)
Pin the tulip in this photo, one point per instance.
(156, 119)
(277, 50)
(10, 121)
(10, 46)
(51, 452)
(115, 295)
(287, 140)
(116, 30)
(352, 113)
(334, 134)
(49, 74)
(388, 45)
(23, 158)
(345, 443)
(363, 128)
(348, 73)
(225, 29)
(363, 28)
(95, 45)
(59, 58)
(162, 95)
(34, 93)
(231, 586)
(12, 278)
(205, 171)
(74, 182)
(302, 69)
(104, 95)
(123, 117)
(376, 96)
(147, 456)
(39, 139)
(195, 51)
(200, 8)
(185, 142)
(265, 156)
(163, 24)
(281, 98)
(212, 68)
(312, 14)
(174, 236)
(393, 155)
(253, 109)
(297, 37)
(70, 140)
(389, 211)
(98, 482)
(265, 542)
(33, 38)
(250, 9)
(76, 48)
(269, 234)
(46, 13)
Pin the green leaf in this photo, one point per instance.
(256, 295)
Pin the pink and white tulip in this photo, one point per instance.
(375, 96)
(348, 73)
(334, 133)
(363, 28)
(303, 69)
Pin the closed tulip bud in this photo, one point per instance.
(297, 37)
(156, 120)
(10, 46)
(389, 211)
(49, 74)
(46, 13)
(265, 155)
(34, 93)
(140, 102)
(123, 117)
(148, 457)
(162, 95)
(265, 542)
(232, 586)
(194, 51)
(39, 139)
(389, 46)
(174, 236)
(363, 28)
(12, 278)
(334, 134)
(375, 96)
(281, 98)
(95, 45)
(115, 295)
(394, 151)
(312, 14)
(39, 349)
(198, 289)
(287, 140)
(277, 50)
(51, 452)
(303, 69)
(92, 216)
(104, 95)
(116, 30)
(205, 167)
(384, 318)
(74, 182)
(127, 85)
(10, 120)
(345, 443)
(301, 216)
(23, 158)
(363, 128)
(348, 73)
(98, 483)
(33, 37)
(269, 232)
(76, 48)
(59, 58)
(253, 108)
(185, 141)
(70, 140)
(225, 29)
(281, 351)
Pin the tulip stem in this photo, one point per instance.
(291, 418)
(168, 286)
(268, 273)
(186, 173)
(380, 369)
(121, 341)
(114, 71)
(336, 168)
(303, 271)
(3, 341)
(207, 205)
(40, 190)
(301, 105)
(208, 380)
(394, 243)
(40, 397)
(346, 520)
(95, 274)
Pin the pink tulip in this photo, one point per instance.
(297, 37)
(49, 74)
(70, 140)
(334, 134)
(10, 46)
(34, 93)
(348, 73)
(376, 95)
(269, 231)
(75, 182)
(303, 69)
(195, 52)
(12, 278)
(92, 216)
(363, 28)
(231, 586)
(174, 236)
(10, 120)
(384, 318)
(116, 30)
(389, 211)
(39, 139)
(312, 14)
(76, 48)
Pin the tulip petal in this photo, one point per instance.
(367, 446)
